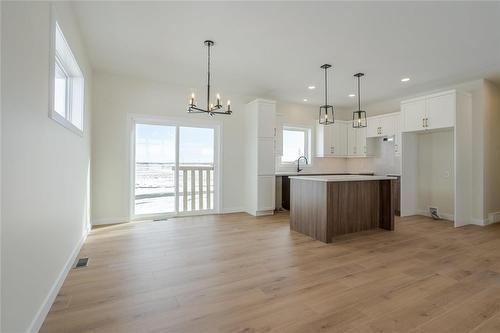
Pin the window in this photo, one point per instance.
(295, 143)
(67, 93)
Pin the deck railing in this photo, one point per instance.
(156, 190)
(196, 188)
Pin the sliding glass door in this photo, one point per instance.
(155, 152)
(174, 168)
(196, 169)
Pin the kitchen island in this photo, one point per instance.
(324, 207)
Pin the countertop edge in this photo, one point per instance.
(340, 178)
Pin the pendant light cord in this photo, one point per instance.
(208, 85)
(359, 97)
(326, 88)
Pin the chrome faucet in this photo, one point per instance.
(298, 163)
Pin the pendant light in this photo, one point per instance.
(359, 117)
(211, 109)
(326, 116)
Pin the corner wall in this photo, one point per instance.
(492, 150)
(45, 167)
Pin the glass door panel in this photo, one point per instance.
(155, 154)
(196, 169)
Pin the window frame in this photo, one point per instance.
(307, 143)
(66, 120)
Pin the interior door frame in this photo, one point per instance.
(134, 119)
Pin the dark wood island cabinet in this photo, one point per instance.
(323, 207)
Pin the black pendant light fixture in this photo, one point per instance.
(359, 117)
(211, 109)
(326, 115)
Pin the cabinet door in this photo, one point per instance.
(372, 129)
(266, 190)
(351, 140)
(361, 149)
(387, 126)
(441, 111)
(265, 160)
(397, 135)
(321, 144)
(266, 120)
(338, 139)
(413, 115)
(324, 140)
(341, 148)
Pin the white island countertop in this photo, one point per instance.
(342, 178)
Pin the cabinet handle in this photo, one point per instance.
(426, 122)
(423, 122)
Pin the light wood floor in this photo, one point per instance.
(236, 273)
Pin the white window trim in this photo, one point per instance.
(308, 146)
(53, 114)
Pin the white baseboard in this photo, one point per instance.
(37, 322)
(231, 210)
(260, 212)
(110, 220)
(479, 222)
(423, 212)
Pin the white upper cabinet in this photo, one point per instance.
(361, 147)
(380, 126)
(429, 112)
(331, 140)
(441, 111)
(397, 135)
(372, 128)
(413, 115)
(339, 139)
(266, 119)
(356, 141)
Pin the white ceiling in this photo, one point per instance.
(274, 49)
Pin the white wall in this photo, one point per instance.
(0, 164)
(114, 99)
(45, 167)
(492, 147)
(435, 176)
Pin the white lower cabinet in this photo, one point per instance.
(265, 193)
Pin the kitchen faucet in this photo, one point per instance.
(298, 163)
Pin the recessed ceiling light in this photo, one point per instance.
(305, 99)
(405, 79)
(352, 95)
(311, 87)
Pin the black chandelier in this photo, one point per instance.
(210, 109)
(359, 117)
(326, 115)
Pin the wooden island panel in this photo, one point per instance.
(324, 210)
